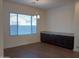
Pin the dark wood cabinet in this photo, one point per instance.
(66, 41)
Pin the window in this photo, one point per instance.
(22, 24)
(13, 24)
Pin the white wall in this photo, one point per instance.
(76, 26)
(1, 29)
(21, 40)
(65, 19)
(60, 19)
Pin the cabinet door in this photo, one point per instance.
(53, 39)
(45, 37)
(49, 38)
(69, 42)
(60, 40)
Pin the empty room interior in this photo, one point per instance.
(39, 28)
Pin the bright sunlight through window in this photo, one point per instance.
(22, 24)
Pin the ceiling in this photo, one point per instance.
(44, 4)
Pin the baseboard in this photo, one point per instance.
(76, 49)
(21, 44)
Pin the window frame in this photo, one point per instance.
(17, 25)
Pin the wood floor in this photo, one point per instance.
(40, 50)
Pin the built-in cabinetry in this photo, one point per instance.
(65, 40)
